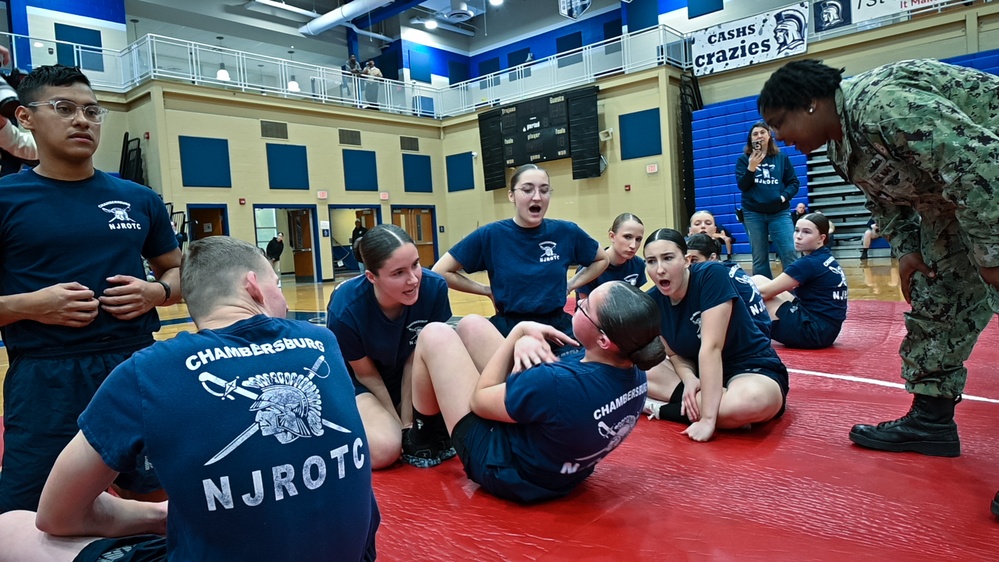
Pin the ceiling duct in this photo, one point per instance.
(459, 12)
(342, 15)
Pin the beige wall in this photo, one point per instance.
(171, 109)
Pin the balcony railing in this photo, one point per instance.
(155, 57)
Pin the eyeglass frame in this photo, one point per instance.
(101, 111)
(530, 192)
(579, 307)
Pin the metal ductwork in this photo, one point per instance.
(341, 15)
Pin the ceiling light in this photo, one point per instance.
(495, 2)
(221, 74)
(292, 83)
(430, 23)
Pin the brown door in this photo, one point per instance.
(205, 223)
(367, 217)
(419, 224)
(300, 227)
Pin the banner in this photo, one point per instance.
(830, 14)
(572, 9)
(763, 37)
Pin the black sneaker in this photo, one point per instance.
(425, 455)
(995, 505)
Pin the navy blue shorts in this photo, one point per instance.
(44, 394)
(796, 327)
(137, 548)
(484, 450)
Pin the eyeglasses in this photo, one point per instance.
(544, 191)
(579, 307)
(67, 109)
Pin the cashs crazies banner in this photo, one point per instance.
(763, 37)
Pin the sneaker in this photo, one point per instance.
(995, 505)
(426, 455)
(652, 407)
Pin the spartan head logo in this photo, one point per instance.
(548, 251)
(632, 279)
(118, 211)
(832, 13)
(695, 319)
(790, 31)
(288, 405)
(614, 435)
(415, 328)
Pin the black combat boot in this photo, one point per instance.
(928, 428)
(863, 253)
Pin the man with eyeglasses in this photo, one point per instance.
(74, 300)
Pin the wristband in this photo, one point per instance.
(166, 288)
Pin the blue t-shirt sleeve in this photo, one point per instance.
(470, 251)
(112, 422)
(161, 238)
(531, 395)
(586, 246)
(803, 269)
(342, 325)
(716, 288)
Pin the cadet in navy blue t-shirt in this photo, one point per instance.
(713, 344)
(808, 301)
(703, 248)
(531, 428)
(250, 423)
(74, 297)
(527, 258)
(376, 317)
(626, 234)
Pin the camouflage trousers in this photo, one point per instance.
(948, 314)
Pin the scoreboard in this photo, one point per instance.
(560, 125)
(535, 130)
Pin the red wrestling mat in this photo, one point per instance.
(796, 489)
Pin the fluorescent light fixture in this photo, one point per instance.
(430, 23)
(222, 73)
(495, 2)
(280, 9)
(293, 85)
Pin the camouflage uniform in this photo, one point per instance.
(921, 139)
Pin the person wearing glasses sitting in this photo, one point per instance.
(525, 251)
(74, 300)
(530, 428)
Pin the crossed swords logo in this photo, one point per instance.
(225, 389)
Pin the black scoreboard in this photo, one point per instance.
(552, 127)
(535, 130)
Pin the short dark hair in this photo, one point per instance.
(30, 88)
(704, 244)
(669, 235)
(630, 318)
(378, 244)
(796, 84)
(211, 268)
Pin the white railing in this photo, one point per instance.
(164, 58)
